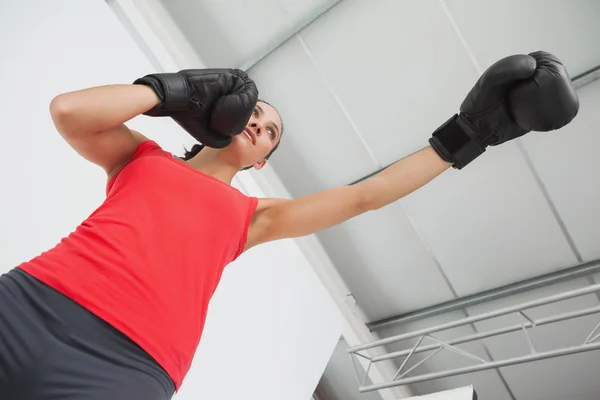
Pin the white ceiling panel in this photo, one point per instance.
(494, 29)
(300, 12)
(227, 33)
(563, 377)
(397, 66)
(319, 148)
(385, 264)
(569, 166)
(488, 224)
(487, 384)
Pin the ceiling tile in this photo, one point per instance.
(568, 164)
(560, 377)
(319, 148)
(569, 29)
(385, 264)
(398, 77)
(227, 33)
(301, 12)
(488, 224)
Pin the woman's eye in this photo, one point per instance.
(255, 113)
(272, 133)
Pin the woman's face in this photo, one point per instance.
(261, 135)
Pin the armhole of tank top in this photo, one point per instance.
(253, 203)
(142, 147)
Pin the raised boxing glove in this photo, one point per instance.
(516, 95)
(212, 105)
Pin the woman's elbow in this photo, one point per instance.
(61, 111)
(59, 104)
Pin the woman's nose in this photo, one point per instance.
(256, 128)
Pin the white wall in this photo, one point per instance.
(271, 326)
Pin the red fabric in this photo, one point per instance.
(149, 259)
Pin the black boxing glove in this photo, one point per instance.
(516, 95)
(212, 105)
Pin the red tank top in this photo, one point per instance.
(149, 259)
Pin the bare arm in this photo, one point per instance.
(279, 218)
(92, 121)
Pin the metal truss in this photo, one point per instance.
(435, 345)
(460, 303)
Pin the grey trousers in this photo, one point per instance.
(52, 348)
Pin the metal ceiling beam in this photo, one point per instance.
(493, 333)
(484, 366)
(586, 78)
(579, 81)
(460, 303)
(527, 325)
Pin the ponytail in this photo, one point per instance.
(189, 154)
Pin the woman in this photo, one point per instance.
(116, 310)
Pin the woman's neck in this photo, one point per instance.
(210, 162)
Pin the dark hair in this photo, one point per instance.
(198, 147)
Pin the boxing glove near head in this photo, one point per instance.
(212, 105)
(514, 96)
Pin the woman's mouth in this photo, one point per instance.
(250, 136)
